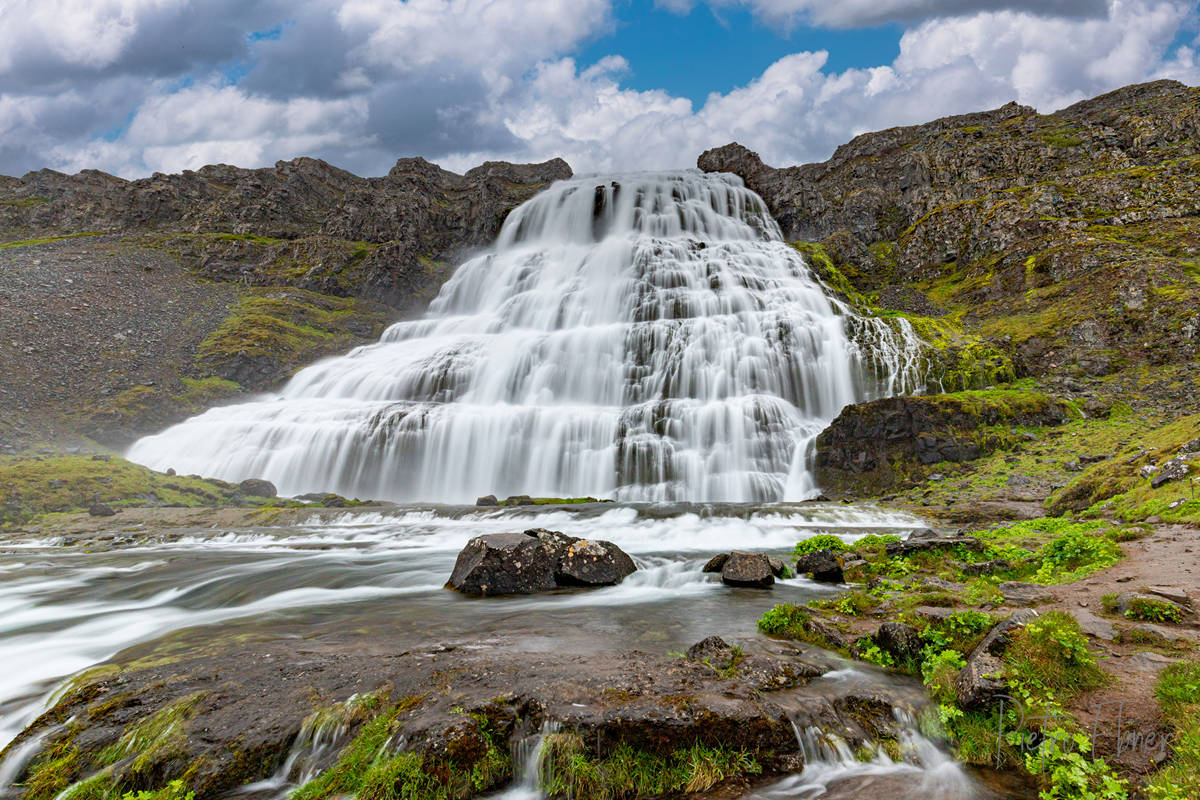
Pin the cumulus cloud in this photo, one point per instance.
(859, 13)
(362, 82)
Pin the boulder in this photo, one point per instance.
(899, 640)
(487, 500)
(101, 510)
(923, 541)
(715, 563)
(504, 563)
(1175, 469)
(776, 566)
(590, 562)
(823, 565)
(714, 649)
(537, 560)
(981, 683)
(749, 570)
(255, 487)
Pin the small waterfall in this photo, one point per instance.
(831, 769)
(321, 736)
(645, 337)
(527, 766)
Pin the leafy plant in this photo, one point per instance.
(1151, 610)
(821, 541)
(1066, 774)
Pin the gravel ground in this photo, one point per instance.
(84, 319)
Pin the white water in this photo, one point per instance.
(62, 611)
(641, 337)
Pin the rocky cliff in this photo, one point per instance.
(1070, 240)
(129, 304)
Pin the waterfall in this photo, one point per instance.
(644, 337)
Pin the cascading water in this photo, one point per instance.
(641, 337)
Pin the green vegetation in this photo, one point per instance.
(48, 239)
(370, 770)
(1178, 695)
(153, 740)
(1063, 136)
(626, 773)
(34, 486)
(1151, 610)
(290, 327)
(821, 541)
(23, 202)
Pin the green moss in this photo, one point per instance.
(52, 771)
(34, 486)
(1062, 136)
(369, 770)
(626, 773)
(155, 739)
(47, 239)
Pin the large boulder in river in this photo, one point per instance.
(504, 563)
(537, 560)
(749, 570)
(256, 487)
(591, 562)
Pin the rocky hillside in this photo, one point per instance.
(129, 304)
(1070, 241)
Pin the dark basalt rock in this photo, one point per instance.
(747, 570)
(101, 510)
(504, 563)
(823, 565)
(715, 563)
(922, 543)
(537, 560)
(487, 500)
(256, 487)
(590, 562)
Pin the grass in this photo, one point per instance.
(1178, 695)
(627, 773)
(369, 769)
(34, 486)
(48, 239)
(154, 739)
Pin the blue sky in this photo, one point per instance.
(714, 50)
(137, 86)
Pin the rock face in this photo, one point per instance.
(302, 212)
(999, 204)
(747, 570)
(537, 560)
(871, 447)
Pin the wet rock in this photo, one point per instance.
(504, 563)
(255, 487)
(1025, 594)
(101, 510)
(981, 683)
(487, 500)
(823, 565)
(537, 560)
(776, 566)
(714, 649)
(519, 500)
(590, 562)
(985, 567)
(715, 563)
(901, 641)
(334, 501)
(747, 570)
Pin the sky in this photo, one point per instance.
(134, 87)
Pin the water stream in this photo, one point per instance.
(640, 337)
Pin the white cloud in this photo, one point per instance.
(859, 13)
(363, 82)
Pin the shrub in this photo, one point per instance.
(821, 541)
(1074, 555)
(1151, 610)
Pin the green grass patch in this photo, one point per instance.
(626, 773)
(48, 239)
(1178, 695)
